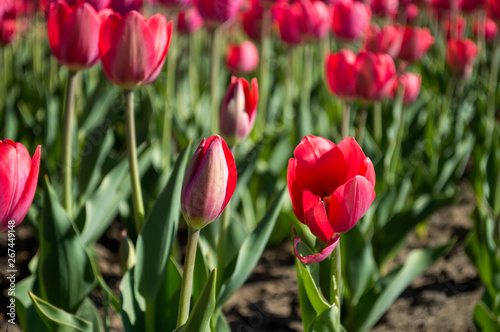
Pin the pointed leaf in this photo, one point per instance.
(318, 301)
(199, 319)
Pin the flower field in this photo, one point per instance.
(249, 165)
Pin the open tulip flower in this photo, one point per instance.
(18, 180)
(133, 49)
(331, 187)
(209, 182)
(74, 33)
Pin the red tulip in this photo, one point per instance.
(385, 7)
(124, 6)
(386, 40)
(134, 49)
(189, 21)
(411, 13)
(331, 188)
(457, 26)
(217, 12)
(447, 4)
(493, 7)
(74, 34)
(416, 42)
(315, 19)
(8, 29)
(238, 110)
(489, 26)
(375, 75)
(288, 17)
(461, 55)
(350, 20)
(341, 74)
(411, 84)
(243, 58)
(472, 5)
(176, 4)
(18, 180)
(251, 20)
(209, 182)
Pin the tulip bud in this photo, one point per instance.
(472, 5)
(74, 34)
(18, 180)
(386, 40)
(251, 20)
(288, 17)
(189, 21)
(411, 83)
(243, 58)
(8, 29)
(341, 74)
(173, 5)
(126, 253)
(493, 7)
(416, 42)
(461, 55)
(209, 182)
(375, 75)
(217, 12)
(490, 29)
(454, 26)
(238, 111)
(133, 49)
(350, 20)
(387, 8)
(315, 19)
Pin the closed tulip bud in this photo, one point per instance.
(124, 6)
(243, 58)
(126, 253)
(461, 55)
(218, 12)
(176, 4)
(133, 49)
(331, 188)
(411, 84)
(209, 182)
(350, 20)
(315, 20)
(489, 26)
(386, 40)
(18, 180)
(493, 7)
(238, 110)
(387, 8)
(189, 21)
(74, 34)
(410, 12)
(251, 20)
(341, 74)
(8, 31)
(416, 42)
(472, 5)
(288, 17)
(375, 75)
(454, 26)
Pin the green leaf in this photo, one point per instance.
(199, 319)
(102, 207)
(167, 301)
(250, 251)
(132, 315)
(158, 234)
(59, 320)
(327, 321)
(65, 269)
(306, 309)
(88, 312)
(374, 304)
(484, 319)
(318, 301)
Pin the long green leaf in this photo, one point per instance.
(132, 315)
(199, 319)
(157, 236)
(318, 301)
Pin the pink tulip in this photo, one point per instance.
(288, 17)
(74, 34)
(461, 55)
(176, 4)
(489, 26)
(411, 13)
(134, 49)
(238, 110)
(350, 20)
(217, 12)
(385, 7)
(386, 40)
(124, 6)
(209, 182)
(18, 180)
(189, 21)
(416, 42)
(243, 58)
(411, 84)
(315, 19)
(375, 75)
(340, 73)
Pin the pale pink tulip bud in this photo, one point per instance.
(411, 83)
(243, 58)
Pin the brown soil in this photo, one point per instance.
(442, 299)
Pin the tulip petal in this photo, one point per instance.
(356, 161)
(23, 170)
(331, 244)
(315, 216)
(58, 12)
(20, 210)
(162, 35)
(191, 171)
(108, 28)
(8, 166)
(349, 203)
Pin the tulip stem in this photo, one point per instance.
(346, 115)
(377, 122)
(492, 90)
(132, 160)
(361, 126)
(214, 75)
(304, 124)
(337, 270)
(265, 49)
(150, 316)
(187, 277)
(289, 85)
(69, 119)
(193, 68)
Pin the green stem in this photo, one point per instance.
(337, 270)
(304, 124)
(492, 90)
(377, 122)
(187, 277)
(264, 68)
(361, 126)
(193, 69)
(170, 93)
(69, 118)
(214, 75)
(289, 85)
(150, 316)
(346, 115)
(132, 160)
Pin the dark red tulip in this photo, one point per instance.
(387, 8)
(124, 6)
(386, 40)
(315, 19)
(176, 4)
(331, 187)
(416, 42)
(341, 74)
(461, 55)
(493, 7)
(375, 75)
(218, 12)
